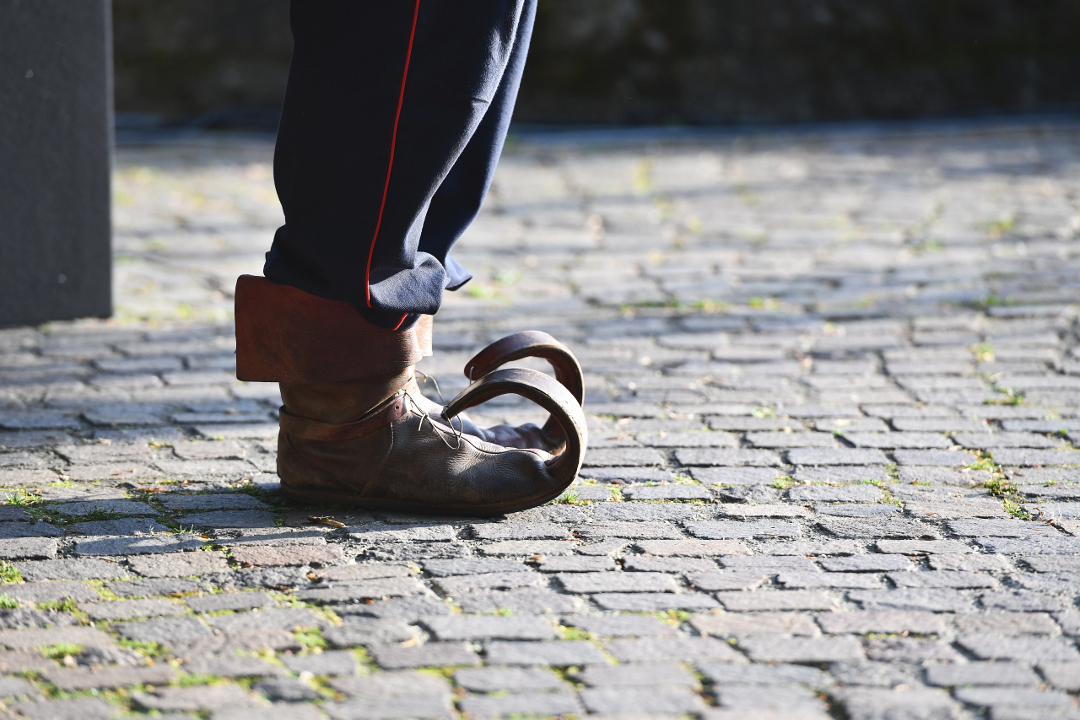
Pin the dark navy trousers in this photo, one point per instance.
(393, 121)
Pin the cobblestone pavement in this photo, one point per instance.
(834, 388)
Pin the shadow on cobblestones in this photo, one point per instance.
(834, 396)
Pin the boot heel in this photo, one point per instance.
(302, 481)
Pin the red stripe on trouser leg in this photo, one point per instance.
(390, 163)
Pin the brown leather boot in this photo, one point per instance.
(354, 430)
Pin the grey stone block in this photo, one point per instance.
(605, 582)
(511, 679)
(71, 569)
(27, 548)
(405, 609)
(942, 579)
(364, 590)
(676, 649)
(369, 631)
(653, 602)
(1062, 675)
(545, 703)
(228, 519)
(625, 701)
(193, 698)
(849, 493)
(293, 556)
(942, 458)
(921, 547)
(786, 600)
(553, 653)
(522, 600)
(391, 657)
(233, 666)
(779, 699)
(1018, 697)
(470, 566)
(911, 650)
(644, 512)
(837, 456)
(726, 458)
(178, 564)
(136, 545)
(132, 609)
(40, 592)
(763, 675)
(739, 625)
(620, 625)
(931, 600)
(1020, 601)
(875, 704)
(713, 580)
(466, 627)
(805, 650)
(229, 601)
(981, 673)
(732, 529)
(692, 548)
(277, 537)
(739, 476)
(286, 690)
(636, 675)
(829, 580)
(1006, 623)
(165, 630)
(12, 530)
(1032, 545)
(1000, 528)
(274, 618)
(327, 663)
(520, 531)
(578, 563)
(1035, 650)
(969, 563)
(882, 621)
(667, 492)
(156, 586)
(110, 677)
(878, 528)
(81, 708)
(875, 562)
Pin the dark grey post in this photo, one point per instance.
(55, 153)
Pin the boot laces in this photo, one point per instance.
(424, 415)
(434, 382)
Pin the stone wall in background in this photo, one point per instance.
(660, 61)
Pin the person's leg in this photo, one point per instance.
(384, 101)
(385, 151)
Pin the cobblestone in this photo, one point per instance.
(807, 354)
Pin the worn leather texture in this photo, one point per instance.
(284, 334)
(399, 457)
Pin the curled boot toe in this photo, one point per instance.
(400, 457)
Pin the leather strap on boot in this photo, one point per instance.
(384, 414)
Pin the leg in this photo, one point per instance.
(384, 156)
(383, 100)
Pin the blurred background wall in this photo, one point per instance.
(656, 61)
